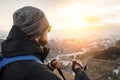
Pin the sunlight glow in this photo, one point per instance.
(77, 22)
(72, 17)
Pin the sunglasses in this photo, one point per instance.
(49, 28)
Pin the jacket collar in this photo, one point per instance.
(18, 43)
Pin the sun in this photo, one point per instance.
(72, 17)
(78, 23)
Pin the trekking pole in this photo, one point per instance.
(61, 73)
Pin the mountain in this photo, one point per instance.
(102, 65)
(68, 46)
(102, 58)
(111, 53)
(3, 34)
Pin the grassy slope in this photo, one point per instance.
(100, 68)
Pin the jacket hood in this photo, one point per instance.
(18, 43)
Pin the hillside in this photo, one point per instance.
(102, 69)
(102, 65)
(111, 53)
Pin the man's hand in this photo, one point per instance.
(54, 64)
(76, 65)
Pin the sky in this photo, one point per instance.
(69, 17)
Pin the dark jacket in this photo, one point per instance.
(17, 44)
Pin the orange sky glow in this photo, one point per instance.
(70, 17)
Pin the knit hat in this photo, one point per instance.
(31, 21)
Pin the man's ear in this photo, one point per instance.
(38, 38)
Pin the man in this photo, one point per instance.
(24, 48)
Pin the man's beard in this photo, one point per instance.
(43, 42)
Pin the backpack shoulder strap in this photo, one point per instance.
(6, 61)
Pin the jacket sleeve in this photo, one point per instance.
(81, 75)
(44, 74)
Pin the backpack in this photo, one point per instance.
(5, 61)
